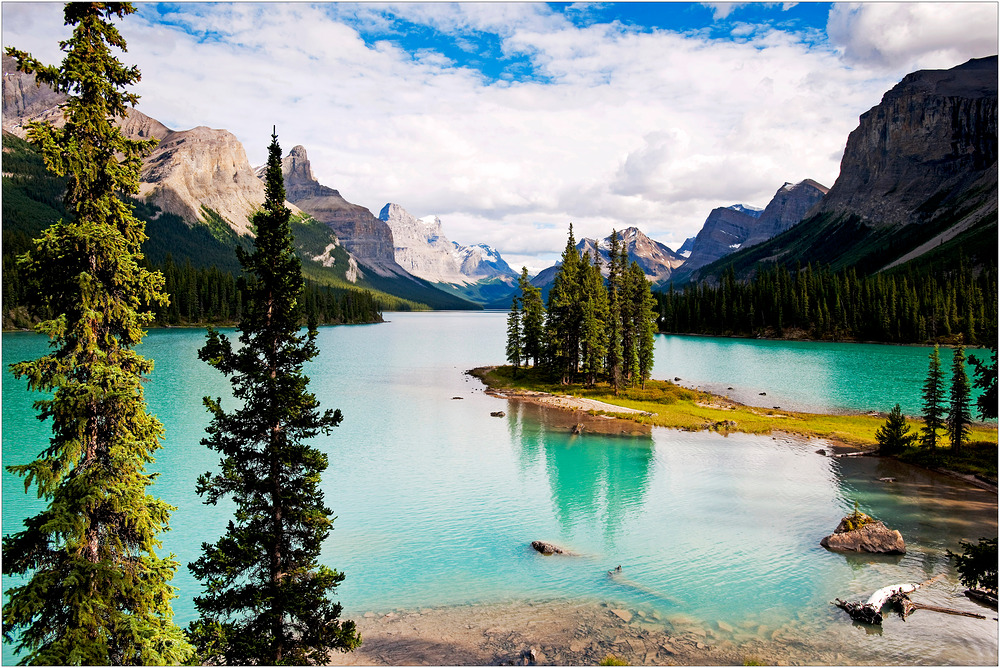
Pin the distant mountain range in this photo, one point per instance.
(918, 179)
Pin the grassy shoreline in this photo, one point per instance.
(666, 404)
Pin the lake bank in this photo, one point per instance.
(665, 404)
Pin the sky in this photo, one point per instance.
(511, 121)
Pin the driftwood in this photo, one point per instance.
(989, 598)
(870, 611)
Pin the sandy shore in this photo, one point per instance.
(556, 633)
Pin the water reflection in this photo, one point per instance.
(595, 479)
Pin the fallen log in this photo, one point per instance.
(947, 611)
(982, 596)
(870, 611)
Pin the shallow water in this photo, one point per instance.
(438, 501)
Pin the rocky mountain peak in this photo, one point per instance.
(788, 207)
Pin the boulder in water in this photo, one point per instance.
(860, 533)
(549, 549)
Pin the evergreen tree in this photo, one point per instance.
(895, 434)
(615, 360)
(593, 339)
(532, 320)
(514, 343)
(266, 599)
(644, 309)
(959, 420)
(933, 396)
(986, 379)
(565, 315)
(95, 590)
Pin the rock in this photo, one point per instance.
(454, 398)
(874, 537)
(763, 394)
(724, 627)
(676, 378)
(578, 429)
(821, 451)
(499, 414)
(548, 548)
(887, 480)
(623, 615)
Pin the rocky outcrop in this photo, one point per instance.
(25, 101)
(549, 549)
(195, 172)
(872, 536)
(787, 208)
(481, 262)
(725, 231)
(365, 236)
(420, 246)
(933, 134)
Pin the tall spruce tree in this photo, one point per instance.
(933, 396)
(959, 419)
(266, 599)
(644, 314)
(615, 359)
(565, 314)
(532, 319)
(594, 304)
(96, 591)
(514, 341)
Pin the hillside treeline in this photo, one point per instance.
(818, 303)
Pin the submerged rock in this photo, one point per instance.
(548, 548)
(871, 536)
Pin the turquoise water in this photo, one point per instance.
(437, 501)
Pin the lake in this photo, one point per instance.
(437, 501)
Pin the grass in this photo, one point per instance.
(670, 405)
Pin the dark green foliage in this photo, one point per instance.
(959, 420)
(96, 592)
(514, 342)
(933, 398)
(532, 319)
(198, 261)
(895, 434)
(903, 307)
(590, 327)
(977, 564)
(266, 598)
(986, 380)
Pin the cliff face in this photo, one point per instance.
(932, 136)
(24, 100)
(198, 168)
(787, 208)
(365, 236)
(420, 246)
(724, 232)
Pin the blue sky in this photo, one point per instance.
(509, 121)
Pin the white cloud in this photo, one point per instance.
(623, 127)
(914, 35)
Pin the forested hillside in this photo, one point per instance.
(198, 262)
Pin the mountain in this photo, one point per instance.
(918, 180)
(787, 208)
(685, 250)
(369, 239)
(656, 260)
(198, 191)
(725, 230)
(477, 273)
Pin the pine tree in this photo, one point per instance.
(266, 599)
(644, 308)
(532, 319)
(615, 359)
(593, 338)
(986, 379)
(895, 434)
(959, 419)
(933, 396)
(565, 315)
(514, 342)
(96, 592)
